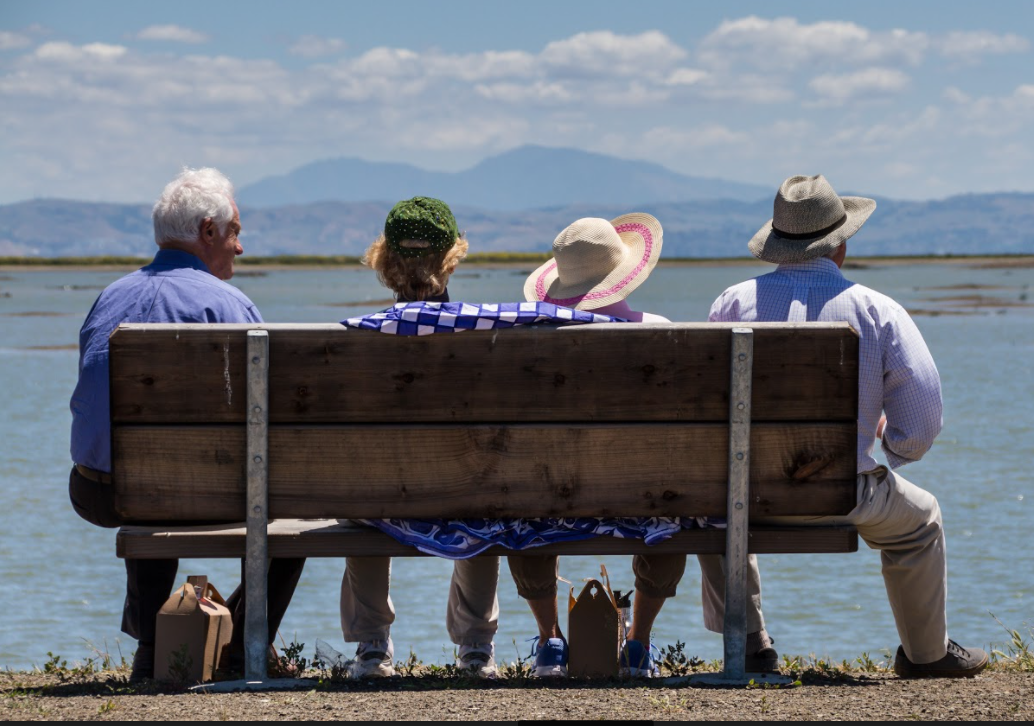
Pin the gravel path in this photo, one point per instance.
(995, 695)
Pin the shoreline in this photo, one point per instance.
(531, 259)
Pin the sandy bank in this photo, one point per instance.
(995, 695)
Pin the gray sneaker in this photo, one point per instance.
(959, 662)
(479, 659)
(373, 660)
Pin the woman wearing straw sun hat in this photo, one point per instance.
(596, 265)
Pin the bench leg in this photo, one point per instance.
(256, 622)
(736, 534)
(256, 627)
(735, 629)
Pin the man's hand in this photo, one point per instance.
(880, 426)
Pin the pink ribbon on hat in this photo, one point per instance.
(642, 229)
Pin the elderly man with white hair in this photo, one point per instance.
(196, 227)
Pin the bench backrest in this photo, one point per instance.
(613, 419)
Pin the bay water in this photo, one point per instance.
(61, 586)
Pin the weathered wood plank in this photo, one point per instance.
(196, 473)
(327, 373)
(331, 538)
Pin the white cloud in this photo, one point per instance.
(314, 46)
(537, 92)
(867, 82)
(686, 77)
(604, 52)
(785, 44)
(970, 44)
(1024, 93)
(12, 41)
(66, 52)
(669, 138)
(745, 106)
(749, 88)
(172, 34)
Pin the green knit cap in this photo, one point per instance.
(420, 218)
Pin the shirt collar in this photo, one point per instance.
(169, 257)
(817, 266)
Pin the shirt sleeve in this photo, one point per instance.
(911, 393)
(716, 314)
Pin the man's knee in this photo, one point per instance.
(534, 575)
(93, 501)
(658, 575)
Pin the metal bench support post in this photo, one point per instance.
(256, 626)
(736, 535)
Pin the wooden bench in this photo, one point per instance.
(313, 425)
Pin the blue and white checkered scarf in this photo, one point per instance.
(459, 539)
(424, 318)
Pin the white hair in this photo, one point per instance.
(186, 201)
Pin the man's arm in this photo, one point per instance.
(911, 392)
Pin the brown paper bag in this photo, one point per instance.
(193, 627)
(593, 631)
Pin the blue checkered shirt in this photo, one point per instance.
(896, 371)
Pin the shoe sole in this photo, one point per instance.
(626, 672)
(381, 670)
(558, 671)
(481, 670)
(906, 672)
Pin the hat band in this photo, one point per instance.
(642, 230)
(809, 235)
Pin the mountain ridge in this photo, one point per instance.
(961, 225)
(527, 177)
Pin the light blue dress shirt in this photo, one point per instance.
(175, 288)
(896, 371)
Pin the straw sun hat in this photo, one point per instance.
(597, 263)
(809, 220)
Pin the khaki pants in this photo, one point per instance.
(904, 523)
(656, 576)
(471, 616)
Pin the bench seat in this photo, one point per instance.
(342, 537)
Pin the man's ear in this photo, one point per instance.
(207, 232)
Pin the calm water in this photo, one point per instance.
(63, 587)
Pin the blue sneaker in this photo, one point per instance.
(636, 661)
(550, 658)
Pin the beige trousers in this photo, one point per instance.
(903, 521)
(471, 616)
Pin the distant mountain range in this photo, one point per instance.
(516, 202)
(963, 225)
(529, 177)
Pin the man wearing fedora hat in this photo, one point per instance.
(899, 403)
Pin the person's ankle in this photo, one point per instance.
(639, 637)
(758, 641)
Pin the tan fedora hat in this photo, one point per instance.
(809, 220)
(597, 263)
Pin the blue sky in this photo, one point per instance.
(106, 100)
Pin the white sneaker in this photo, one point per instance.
(373, 659)
(479, 658)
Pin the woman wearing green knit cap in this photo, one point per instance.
(414, 257)
(419, 250)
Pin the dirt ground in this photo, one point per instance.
(997, 694)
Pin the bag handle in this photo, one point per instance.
(205, 589)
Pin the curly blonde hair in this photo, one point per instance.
(414, 278)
